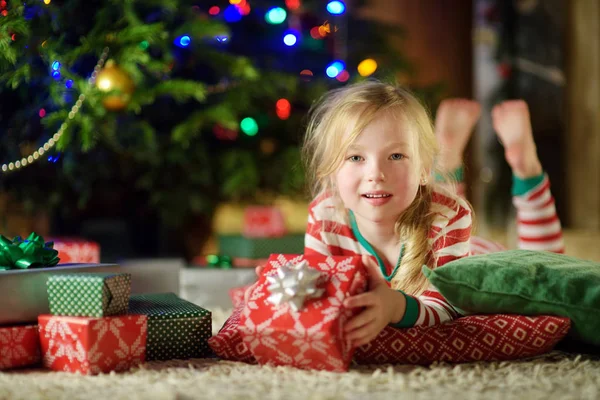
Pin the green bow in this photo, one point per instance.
(29, 253)
(218, 261)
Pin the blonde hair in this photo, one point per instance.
(327, 140)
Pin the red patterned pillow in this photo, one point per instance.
(228, 343)
(497, 337)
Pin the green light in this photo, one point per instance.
(144, 45)
(249, 126)
(275, 15)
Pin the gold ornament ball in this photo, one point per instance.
(115, 80)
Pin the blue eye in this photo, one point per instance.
(397, 156)
(355, 158)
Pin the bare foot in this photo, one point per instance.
(454, 123)
(513, 127)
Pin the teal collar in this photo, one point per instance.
(370, 249)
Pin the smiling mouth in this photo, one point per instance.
(376, 196)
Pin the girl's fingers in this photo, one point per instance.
(259, 270)
(364, 340)
(360, 320)
(361, 335)
(360, 300)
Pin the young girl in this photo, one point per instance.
(370, 150)
(358, 122)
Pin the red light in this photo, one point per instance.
(315, 33)
(214, 10)
(283, 114)
(42, 113)
(244, 9)
(306, 75)
(292, 4)
(343, 76)
(283, 105)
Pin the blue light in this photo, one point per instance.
(69, 84)
(335, 68)
(183, 41)
(232, 14)
(339, 65)
(336, 7)
(55, 66)
(290, 39)
(56, 75)
(54, 159)
(222, 39)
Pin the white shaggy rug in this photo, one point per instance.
(556, 375)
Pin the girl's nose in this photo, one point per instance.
(376, 173)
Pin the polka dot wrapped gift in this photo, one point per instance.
(89, 295)
(177, 329)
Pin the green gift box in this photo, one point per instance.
(244, 247)
(177, 329)
(89, 295)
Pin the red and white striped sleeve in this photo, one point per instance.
(449, 236)
(313, 241)
(538, 225)
(325, 235)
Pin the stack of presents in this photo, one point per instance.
(83, 318)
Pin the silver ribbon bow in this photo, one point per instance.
(294, 284)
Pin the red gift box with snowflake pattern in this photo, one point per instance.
(74, 250)
(92, 345)
(309, 335)
(19, 346)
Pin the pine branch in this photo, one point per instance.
(181, 90)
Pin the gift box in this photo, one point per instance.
(92, 345)
(89, 295)
(23, 293)
(76, 250)
(238, 246)
(262, 221)
(237, 294)
(19, 346)
(177, 329)
(295, 314)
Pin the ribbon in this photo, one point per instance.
(29, 253)
(219, 261)
(294, 284)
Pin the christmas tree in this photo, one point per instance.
(170, 106)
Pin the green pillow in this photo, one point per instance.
(527, 283)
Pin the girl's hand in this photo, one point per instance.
(258, 271)
(382, 306)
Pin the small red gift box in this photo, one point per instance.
(73, 250)
(19, 346)
(93, 345)
(260, 221)
(295, 314)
